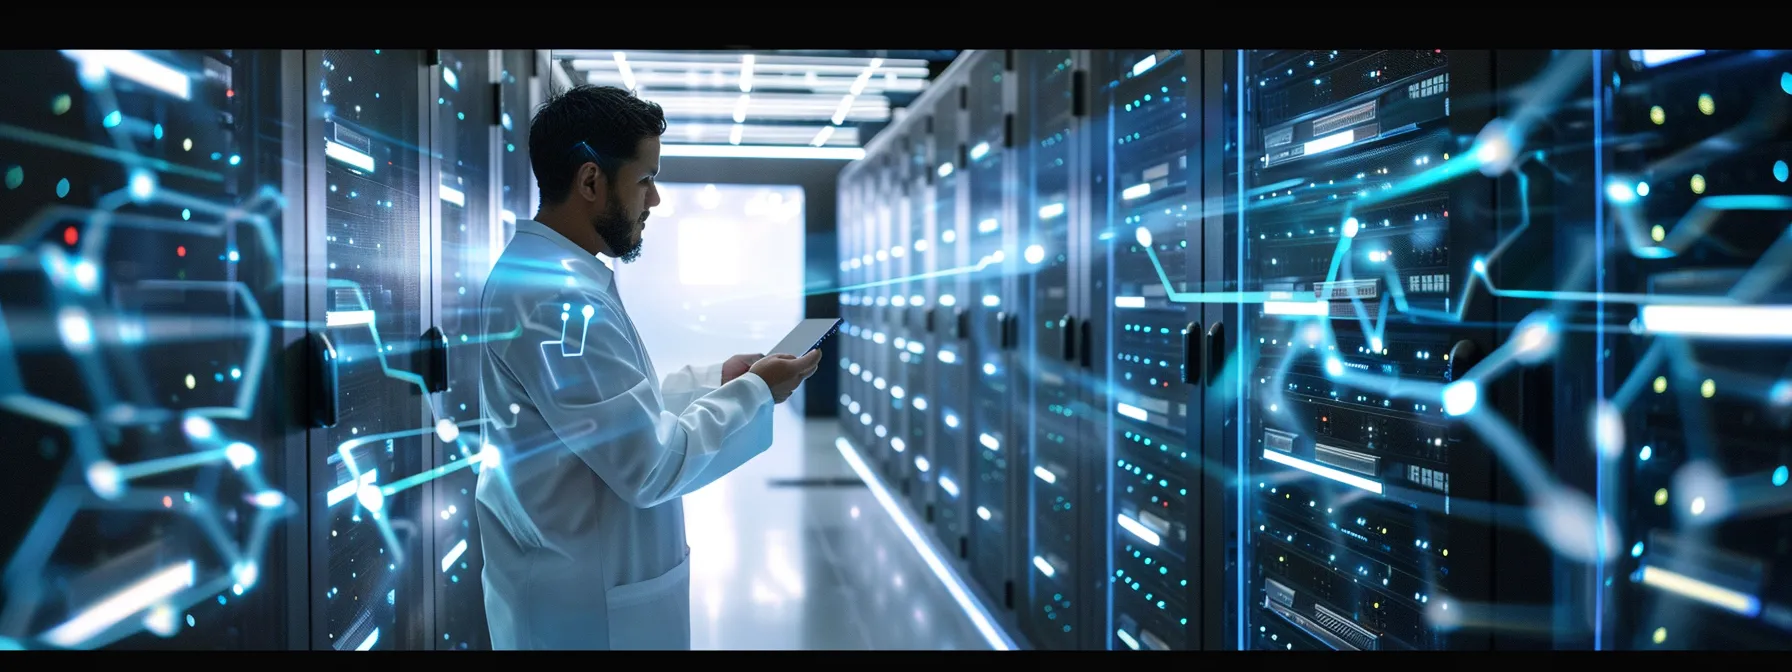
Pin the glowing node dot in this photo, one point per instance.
(15, 176)
(1780, 475)
(1661, 635)
(1657, 233)
(1698, 184)
(1661, 384)
(192, 382)
(1708, 389)
(371, 498)
(515, 409)
(1780, 172)
(105, 479)
(61, 104)
(187, 144)
(588, 311)
(1707, 104)
(71, 235)
(1698, 505)
(1661, 497)
(447, 430)
(180, 251)
(1658, 115)
(1351, 226)
(1143, 235)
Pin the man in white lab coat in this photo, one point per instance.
(588, 451)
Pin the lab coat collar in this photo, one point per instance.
(593, 268)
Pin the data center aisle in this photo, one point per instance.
(791, 552)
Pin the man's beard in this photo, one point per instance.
(614, 227)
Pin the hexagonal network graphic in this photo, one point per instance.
(146, 442)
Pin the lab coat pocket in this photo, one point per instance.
(653, 614)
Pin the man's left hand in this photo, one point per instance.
(737, 365)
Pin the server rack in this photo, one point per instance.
(1691, 431)
(1436, 238)
(317, 216)
(141, 304)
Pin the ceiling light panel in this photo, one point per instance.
(758, 134)
(767, 106)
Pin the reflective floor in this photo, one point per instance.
(792, 552)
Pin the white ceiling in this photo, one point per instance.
(735, 102)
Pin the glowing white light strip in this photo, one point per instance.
(372, 639)
(1129, 302)
(955, 585)
(348, 155)
(1124, 637)
(1329, 142)
(1757, 322)
(1051, 210)
(628, 82)
(989, 442)
(1131, 411)
(1321, 470)
(1045, 474)
(347, 318)
(121, 605)
(1136, 191)
(979, 151)
(746, 73)
(453, 554)
(452, 195)
(1139, 68)
(1044, 567)
(137, 68)
(1139, 530)
(1655, 57)
(763, 152)
(983, 512)
(1694, 589)
(1308, 308)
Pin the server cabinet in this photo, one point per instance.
(908, 252)
(947, 324)
(1147, 212)
(989, 303)
(368, 217)
(1361, 451)
(917, 180)
(1688, 415)
(464, 126)
(886, 386)
(1059, 598)
(147, 213)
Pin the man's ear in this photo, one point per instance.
(591, 182)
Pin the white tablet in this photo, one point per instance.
(807, 336)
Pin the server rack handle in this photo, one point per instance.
(1088, 337)
(1216, 351)
(435, 360)
(1194, 369)
(321, 359)
(962, 323)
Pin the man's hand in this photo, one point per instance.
(782, 373)
(737, 365)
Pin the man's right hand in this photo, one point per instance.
(783, 373)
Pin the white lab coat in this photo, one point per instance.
(581, 522)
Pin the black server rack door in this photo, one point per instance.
(371, 117)
(988, 303)
(141, 294)
(949, 352)
(1144, 211)
(1691, 428)
(1351, 268)
(465, 116)
(1054, 598)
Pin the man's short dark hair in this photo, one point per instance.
(600, 124)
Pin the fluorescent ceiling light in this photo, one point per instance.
(623, 69)
(762, 81)
(700, 133)
(762, 61)
(767, 106)
(746, 73)
(763, 152)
